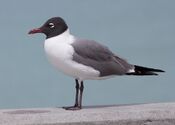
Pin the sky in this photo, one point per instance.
(140, 31)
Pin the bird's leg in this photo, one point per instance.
(81, 94)
(76, 106)
(77, 93)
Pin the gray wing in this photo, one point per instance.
(93, 54)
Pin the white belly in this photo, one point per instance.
(60, 54)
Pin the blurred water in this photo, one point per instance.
(142, 31)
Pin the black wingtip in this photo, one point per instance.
(140, 70)
(148, 69)
(161, 71)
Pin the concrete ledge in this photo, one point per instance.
(141, 114)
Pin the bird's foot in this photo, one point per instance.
(73, 108)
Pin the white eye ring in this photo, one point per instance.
(51, 25)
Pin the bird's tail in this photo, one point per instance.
(139, 70)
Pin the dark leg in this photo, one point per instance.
(76, 106)
(77, 93)
(81, 94)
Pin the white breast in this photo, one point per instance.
(60, 53)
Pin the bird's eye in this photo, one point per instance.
(51, 25)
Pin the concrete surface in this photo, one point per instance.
(138, 114)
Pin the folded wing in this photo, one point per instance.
(99, 57)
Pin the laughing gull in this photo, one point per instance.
(83, 59)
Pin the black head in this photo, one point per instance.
(52, 27)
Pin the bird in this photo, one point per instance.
(83, 59)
